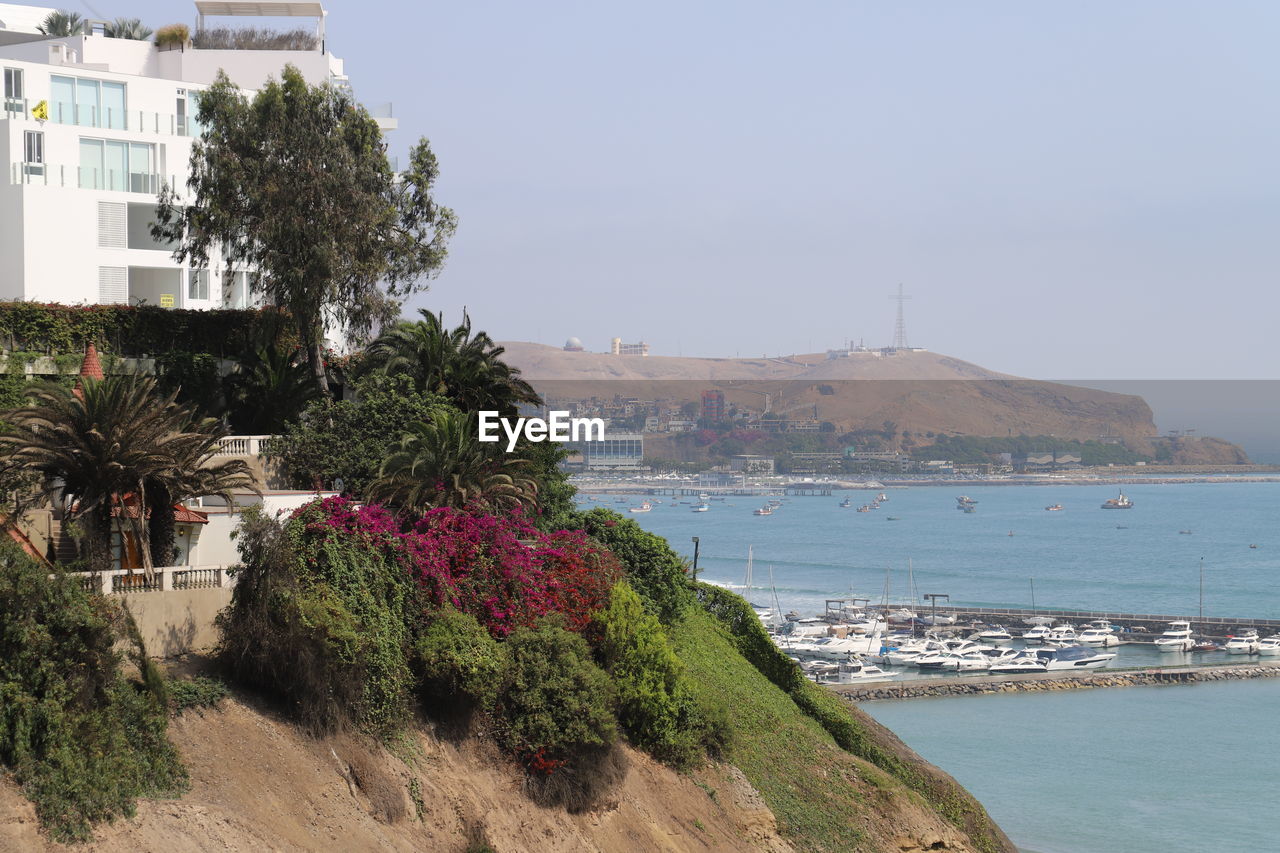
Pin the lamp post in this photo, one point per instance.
(695, 559)
(933, 597)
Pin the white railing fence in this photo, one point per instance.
(163, 579)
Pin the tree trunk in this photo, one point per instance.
(315, 357)
(161, 527)
(98, 539)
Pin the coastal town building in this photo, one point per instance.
(92, 127)
(713, 404)
(618, 451)
(617, 347)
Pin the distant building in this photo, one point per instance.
(573, 345)
(617, 347)
(681, 425)
(713, 404)
(718, 479)
(619, 451)
(752, 464)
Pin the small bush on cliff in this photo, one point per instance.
(83, 740)
(461, 663)
(655, 705)
(554, 712)
(653, 569)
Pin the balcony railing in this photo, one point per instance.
(133, 121)
(163, 579)
(244, 445)
(80, 177)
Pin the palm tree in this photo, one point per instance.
(62, 23)
(190, 472)
(128, 28)
(442, 464)
(104, 447)
(270, 390)
(466, 368)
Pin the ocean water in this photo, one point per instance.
(1177, 769)
(1084, 557)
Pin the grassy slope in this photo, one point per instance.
(824, 798)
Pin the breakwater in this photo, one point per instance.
(1052, 681)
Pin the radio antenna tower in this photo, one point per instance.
(900, 328)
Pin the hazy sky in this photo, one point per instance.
(1084, 189)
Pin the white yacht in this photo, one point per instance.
(906, 654)
(1035, 635)
(956, 661)
(1269, 645)
(1243, 644)
(853, 672)
(1062, 634)
(1024, 661)
(995, 635)
(1075, 657)
(1098, 637)
(1176, 639)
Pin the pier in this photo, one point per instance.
(1140, 627)
(970, 685)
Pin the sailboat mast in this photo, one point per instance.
(750, 578)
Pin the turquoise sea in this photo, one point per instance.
(1141, 769)
(1083, 557)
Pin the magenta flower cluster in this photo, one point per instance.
(497, 568)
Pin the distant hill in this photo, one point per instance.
(920, 392)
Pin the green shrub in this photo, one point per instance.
(199, 692)
(82, 740)
(653, 569)
(289, 639)
(555, 713)
(655, 706)
(460, 661)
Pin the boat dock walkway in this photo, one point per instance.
(1209, 626)
(969, 685)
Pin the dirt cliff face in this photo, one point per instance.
(259, 784)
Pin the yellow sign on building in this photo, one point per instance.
(40, 111)
(167, 300)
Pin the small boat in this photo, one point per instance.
(700, 508)
(846, 503)
(995, 635)
(1053, 508)
(1254, 547)
(882, 497)
(965, 500)
(1038, 634)
(644, 507)
(1185, 532)
(764, 510)
(1244, 644)
(1098, 637)
(1269, 645)
(892, 518)
(969, 508)
(1064, 634)
(864, 508)
(1206, 646)
(1022, 662)
(1118, 503)
(1177, 638)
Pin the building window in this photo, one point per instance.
(198, 284)
(33, 152)
(87, 102)
(13, 91)
(109, 164)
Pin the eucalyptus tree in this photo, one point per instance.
(295, 183)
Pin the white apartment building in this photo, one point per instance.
(79, 185)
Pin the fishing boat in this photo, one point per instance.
(1120, 502)
(882, 497)
(864, 508)
(644, 507)
(964, 501)
(846, 503)
(1053, 508)
(969, 508)
(764, 510)
(700, 508)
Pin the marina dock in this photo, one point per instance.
(970, 685)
